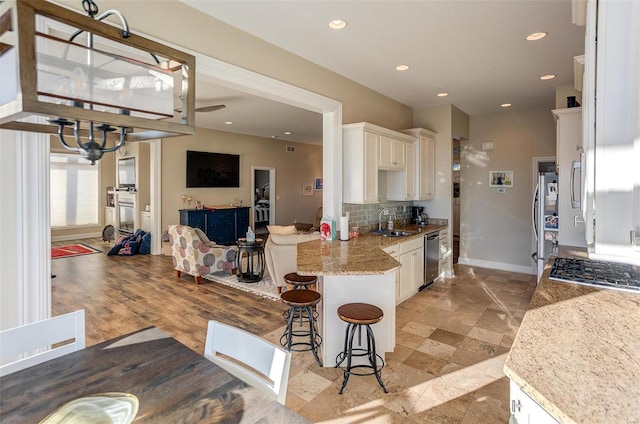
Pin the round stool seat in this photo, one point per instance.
(367, 361)
(300, 297)
(300, 281)
(360, 313)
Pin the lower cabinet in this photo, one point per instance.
(394, 252)
(222, 226)
(145, 221)
(525, 410)
(445, 252)
(411, 275)
(109, 216)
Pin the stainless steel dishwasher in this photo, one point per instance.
(431, 258)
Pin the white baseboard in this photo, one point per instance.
(497, 265)
(76, 236)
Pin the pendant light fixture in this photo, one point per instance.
(84, 79)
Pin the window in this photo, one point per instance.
(74, 191)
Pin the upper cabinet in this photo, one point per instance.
(360, 156)
(368, 148)
(392, 153)
(611, 130)
(424, 162)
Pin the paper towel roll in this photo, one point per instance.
(344, 228)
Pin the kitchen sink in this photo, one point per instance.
(393, 233)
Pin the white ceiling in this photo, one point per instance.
(473, 49)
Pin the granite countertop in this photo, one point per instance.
(577, 352)
(360, 256)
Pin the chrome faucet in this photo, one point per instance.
(382, 211)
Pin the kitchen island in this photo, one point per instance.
(354, 271)
(577, 352)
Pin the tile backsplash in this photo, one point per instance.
(366, 216)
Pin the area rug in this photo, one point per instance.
(72, 250)
(265, 287)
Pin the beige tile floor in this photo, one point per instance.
(452, 341)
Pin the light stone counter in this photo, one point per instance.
(354, 271)
(361, 256)
(577, 352)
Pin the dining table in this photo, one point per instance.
(173, 384)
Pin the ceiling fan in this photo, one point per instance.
(211, 108)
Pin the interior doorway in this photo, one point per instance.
(263, 187)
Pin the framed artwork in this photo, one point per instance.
(307, 189)
(318, 185)
(500, 178)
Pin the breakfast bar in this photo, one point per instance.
(357, 270)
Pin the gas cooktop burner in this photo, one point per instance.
(600, 274)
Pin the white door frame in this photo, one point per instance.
(272, 193)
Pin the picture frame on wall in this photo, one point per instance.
(500, 178)
(307, 189)
(318, 184)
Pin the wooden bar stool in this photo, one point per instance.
(301, 303)
(301, 281)
(357, 315)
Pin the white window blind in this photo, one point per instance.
(74, 191)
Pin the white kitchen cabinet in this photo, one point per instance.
(401, 185)
(445, 253)
(525, 410)
(109, 216)
(568, 163)
(424, 162)
(411, 272)
(392, 153)
(611, 130)
(145, 221)
(360, 155)
(361, 152)
(394, 252)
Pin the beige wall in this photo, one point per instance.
(496, 228)
(292, 169)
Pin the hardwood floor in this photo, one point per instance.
(451, 339)
(121, 294)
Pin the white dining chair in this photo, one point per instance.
(31, 344)
(252, 359)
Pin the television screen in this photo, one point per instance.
(127, 173)
(207, 169)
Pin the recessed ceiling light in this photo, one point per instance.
(287, 133)
(274, 136)
(443, 94)
(505, 105)
(547, 77)
(337, 24)
(402, 67)
(228, 122)
(536, 36)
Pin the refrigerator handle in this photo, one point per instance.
(575, 204)
(533, 211)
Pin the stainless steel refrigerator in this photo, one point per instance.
(544, 213)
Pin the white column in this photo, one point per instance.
(25, 255)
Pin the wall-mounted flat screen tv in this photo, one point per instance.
(207, 169)
(127, 173)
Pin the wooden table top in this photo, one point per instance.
(173, 384)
